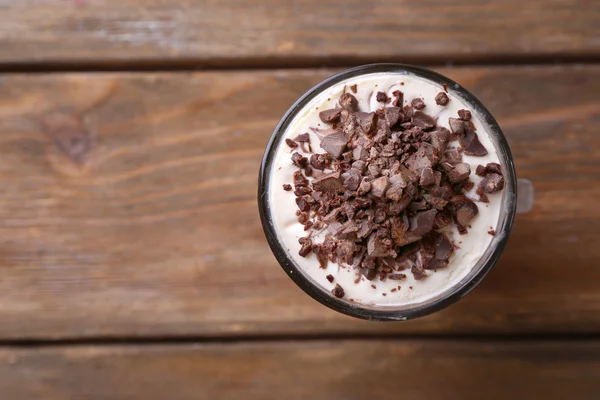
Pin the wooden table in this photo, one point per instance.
(132, 261)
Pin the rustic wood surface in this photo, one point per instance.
(302, 32)
(347, 370)
(128, 207)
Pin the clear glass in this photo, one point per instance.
(452, 294)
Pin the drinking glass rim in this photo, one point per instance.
(387, 312)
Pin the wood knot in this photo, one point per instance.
(69, 133)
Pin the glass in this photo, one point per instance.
(452, 294)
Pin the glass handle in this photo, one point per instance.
(525, 196)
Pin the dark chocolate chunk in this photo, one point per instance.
(330, 116)
(392, 115)
(492, 232)
(439, 139)
(443, 247)
(329, 278)
(360, 153)
(330, 183)
(398, 98)
(394, 193)
(475, 148)
(359, 165)
(480, 170)
(441, 99)
(465, 115)
(319, 161)
(306, 247)
(338, 291)
(381, 97)
(364, 187)
(417, 104)
(442, 219)
(493, 168)
(287, 187)
(366, 121)
(459, 172)
(423, 121)
(467, 138)
(300, 179)
(427, 177)
(379, 186)
(380, 247)
(457, 126)
(291, 143)
(349, 102)
(369, 273)
(492, 183)
(334, 144)
(353, 88)
(423, 158)
(464, 210)
(303, 138)
(351, 179)
(299, 160)
(422, 222)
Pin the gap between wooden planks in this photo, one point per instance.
(138, 217)
(300, 370)
(267, 33)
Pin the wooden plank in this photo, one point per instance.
(305, 32)
(141, 218)
(302, 370)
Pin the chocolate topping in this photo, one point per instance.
(353, 88)
(338, 291)
(387, 182)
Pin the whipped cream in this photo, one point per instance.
(471, 246)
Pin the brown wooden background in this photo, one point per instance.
(132, 261)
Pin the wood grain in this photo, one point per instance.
(127, 207)
(305, 370)
(302, 32)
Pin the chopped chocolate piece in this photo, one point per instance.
(306, 247)
(492, 183)
(464, 210)
(493, 168)
(443, 246)
(291, 143)
(394, 193)
(329, 278)
(427, 177)
(299, 160)
(364, 187)
(408, 113)
(287, 187)
(398, 98)
(422, 222)
(437, 264)
(441, 99)
(392, 115)
(353, 88)
(369, 273)
(366, 228)
(417, 104)
(345, 251)
(360, 153)
(366, 121)
(397, 277)
(418, 205)
(334, 144)
(404, 237)
(458, 126)
(335, 228)
(330, 116)
(459, 172)
(349, 102)
(467, 137)
(380, 247)
(351, 179)
(359, 165)
(439, 139)
(319, 161)
(338, 291)
(423, 120)
(302, 205)
(465, 115)
(442, 219)
(379, 186)
(452, 157)
(303, 138)
(381, 97)
(330, 183)
(423, 158)
(480, 170)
